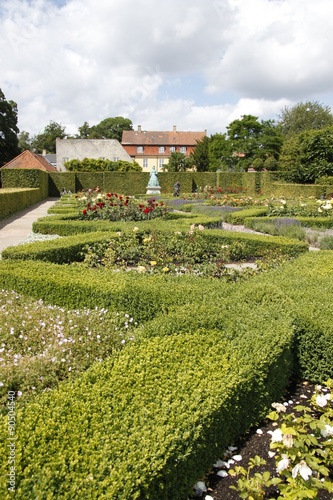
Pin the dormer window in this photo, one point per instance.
(161, 149)
(183, 149)
(139, 149)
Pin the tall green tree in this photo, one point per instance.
(307, 156)
(110, 128)
(84, 131)
(47, 139)
(24, 140)
(199, 158)
(177, 163)
(309, 115)
(251, 140)
(220, 153)
(8, 130)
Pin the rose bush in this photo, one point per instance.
(114, 207)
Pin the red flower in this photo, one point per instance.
(146, 210)
(84, 212)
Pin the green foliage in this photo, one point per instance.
(109, 128)
(309, 115)
(43, 344)
(200, 156)
(24, 141)
(289, 228)
(326, 243)
(47, 139)
(220, 153)
(14, 200)
(8, 130)
(251, 139)
(299, 208)
(68, 250)
(116, 207)
(177, 163)
(307, 156)
(240, 217)
(325, 179)
(124, 430)
(252, 486)
(303, 451)
(100, 165)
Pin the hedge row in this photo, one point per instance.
(239, 217)
(69, 249)
(307, 281)
(148, 423)
(15, 200)
(139, 295)
(59, 251)
(66, 225)
(303, 287)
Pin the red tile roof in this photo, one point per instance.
(27, 159)
(174, 138)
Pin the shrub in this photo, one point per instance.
(124, 430)
(115, 207)
(326, 243)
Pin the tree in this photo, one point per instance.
(309, 115)
(110, 128)
(199, 157)
(8, 130)
(24, 141)
(177, 163)
(220, 153)
(307, 156)
(47, 140)
(84, 131)
(251, 139)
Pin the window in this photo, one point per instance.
(116, 158)
(160, 163)
(183, 149)
(139, 149)
(65, 158)
(161, 149)
(145, 163)
(172, 149)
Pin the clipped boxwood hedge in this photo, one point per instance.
(147, 424)
(139, 295)
(240, 216)
(59, 251)
(69, 249)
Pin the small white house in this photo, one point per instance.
(79, 149)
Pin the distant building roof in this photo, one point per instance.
(144, 137)
(51, 158)
(28, 160)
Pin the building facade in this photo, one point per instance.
(79, 149)
(153, 148)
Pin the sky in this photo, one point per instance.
(195, 64)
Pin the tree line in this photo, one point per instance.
(299, 143)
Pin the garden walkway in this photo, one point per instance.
(18, 226)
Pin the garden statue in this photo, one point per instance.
(176, 189)
(153, 184)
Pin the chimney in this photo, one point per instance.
(139, 129)
(175, 128)
(44, 152)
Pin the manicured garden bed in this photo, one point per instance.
(168, 370)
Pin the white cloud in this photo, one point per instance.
(194, 64)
